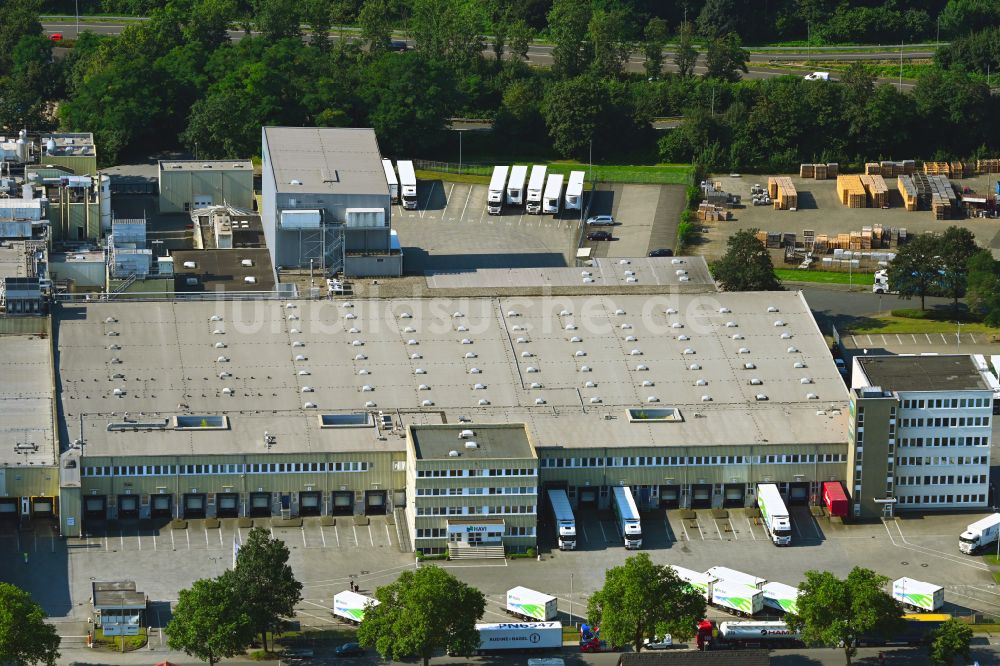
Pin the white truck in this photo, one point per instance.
(515, 186)
(407, 183)
(351, 606)
(918, 595)
(552, 199)
(574, 191)
(737, 597)
(880, 285)
(562, 516)
(627, 518)
(531, 605)
(980, 534)
(695, 580)
(495, 195)
(817, 76)
(734, 576)
(774, 514)
(391, 180)
(781, 597)
(536, 183)
(519, 636)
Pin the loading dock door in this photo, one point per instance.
(588, 496)
(734, 495)
(8, 508)
(798, 493)
(41, 507)
(343, 502)
(95, 507)
(128, 506)
(194, 505)
(309, 504)
(260, 504)
(160, 506)
(669, 497)
(227, 505)
(702, 496)
(374, 502)
(399, 498)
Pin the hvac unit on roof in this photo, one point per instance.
(420, 371)
(409, 329)
(415, 356)
(474, 371)
(736, 336)
(630, 280)
(483, 402)
(215, 317)
(677, 324)
(539, 401)
(641, 368)
(671, 311)
(584, 368)
(527, 354)
(619, 311)
(799, 364)
(701, 382)
(755, 381)
(360, 357)
(535, 385)
(462, 329)
(793, 350)
(406, 315)
(632, 338)
(589, 384)
(223, 359)
(307, 389)
(470, 355)
(647, 382)
(426, 403)
(423, 387)
(579, 352)
(412, 342)
(570, 327)
(220, 345)
(457, 315)
(652, 398)
(566, 313)
(370, 403)
(588, 280)
(347, 304)
(531, 369)
(300, 357)
(295, 331)
(694, 366)
(724, 310)
(293, 317)
(465, 434)
(771, 308)
(749, 366)
(576, 338)
(466, 341)
(478, 387)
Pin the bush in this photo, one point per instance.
(531, 552)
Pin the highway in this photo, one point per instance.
(541, 54)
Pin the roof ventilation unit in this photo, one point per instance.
(303, 373)
(466, 341)
(370, 403)
(744, 350)
(409, 329)
(462, 329)
(706, 398)
(647, 382)
(474, 371)
(652, 398)
(426, 403)
(356, 343)
(518, 327)
(687, 350)
(223, 375)
(347, 304)
(566, 313)
(579, 352)
(531, 369)
(423, 387)
(701, 382)
(584, 368)
(641, 368)
(677, 324)
(110, 320)
(483, 402)
(521, 341)
(367, 388)
(589, 384)
(539, 401)
(116, 347)
(786, 336)
(295, 331)
(220, 345)
(223, 359)
(465, 434)
(676, 262)
(630, 273)
(793, 350)
(513, 313)
(453, 454)
(731, 324)
(307, 389)
(779, 322)
(478, 387)
(300, 357)
(806, 380)
(570, 327)
(671, 311)
(119, 392)
(470, 355)
(527, 354)
(683, 338)
(631, 279)
(635, 352)
(625, 327)
(350, 315)
(736, 336)
(576, 338)
(298, 343)
(406, 315)
(684, 278)
(771, 308)
(694, 366)
(619, 311)
(680, 271)
(227, 391)
(536, 385)
(457, 315)
(799, 364)
(218, 331)
(812, 396)
(292, 317)
(364, 371)
(754, 381)
(420, 371)
(760, 397)
(624, 262)
(360, 357)
(416, 357)
(749, 366)
(724, 310)
(630, 338)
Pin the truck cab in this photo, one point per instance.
(881, 283)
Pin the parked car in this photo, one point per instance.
(56, 37)
(662, 252)
(349, 650)
(398, 45)
(594, 645)
(817, 76)
(659, 643)
(599, 236)
(601, 221)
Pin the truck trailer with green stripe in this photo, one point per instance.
(351, 607)
(736, 598)
(781, 597)
(918, 595)
(531, 605)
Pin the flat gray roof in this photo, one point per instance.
(567, 366)
(26, 402)
(923, 373)
(223, 270)
(206, 165)
(336, 160)
(491, 442)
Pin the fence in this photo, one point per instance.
(674, 174)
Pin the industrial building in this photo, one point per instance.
(24, 278)
(186, 185)
(325, 201)
(919, 434)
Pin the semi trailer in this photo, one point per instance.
(536, 183)
(391, 180)
(781, 597)
(835, 499)
(736, 598)
(734, 576)
(773, 514)
(495, 195)
(918, 595)
(515, 186)
(698, 581)
(407, 184)
(510, 636)
(574, 191)
(552, 199)
(530, 605)
(980, 534)
(562, 516)
(351, 606)
(627, 518)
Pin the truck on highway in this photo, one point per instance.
(562, 517)
(508, 636)
(351, 607)
(574, 191)
(407, 183)
(781, 597)
(980, 534)
(627, 517)
(552, 199)
(515, 186)
(495, 195)
(531, 605)
(773, 514)
(536, 183)
(736, 598)
(917, 595)
(740, 635)
(391, 180)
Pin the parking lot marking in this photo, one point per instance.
(943, 339)
(928, 551)
(303, 528)
(899, 339)
(322, 536)
(106, 544)
(982, 601)
(388, 536)
(796, 528)
(154, 540)
(698, 523)
(173, 546)
(355, 528)
(870, 343)
(467, 197)
(447, 201)
(732, 528)
(121, 540)
(206, 539)
(221, 543)
(187, 535)
(929, 341)
(370, 537)
(601, 525)
(336, 533)
(750, 527)
(716, 523)
(583, 527)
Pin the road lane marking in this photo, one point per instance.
(732, 528)
(322, 535)
(750, 527)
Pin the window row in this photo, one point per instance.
(944, 441)
(432, 532)
(446, 473)
(520, 490)
(942, 499)
(230, 468)
(519, 531)
(942, 460)
(945, 422)
(940, 480)
(680, 461)
(947, 403)
(472, 510)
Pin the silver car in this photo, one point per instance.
(659, 643)
(601, 221)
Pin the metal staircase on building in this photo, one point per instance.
(459, 551)
(402, 532)
(128, 282)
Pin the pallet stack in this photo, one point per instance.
(807, 171)
(943, 197)
(708, 212)
(987, 166)
(937, 168)
(819, 171)
(908, 191)
(809, 239)
(877, 191)
(783, 193)
(961, 170)
(851, 192)
(821, 245)
(832, 169)
(873, 169)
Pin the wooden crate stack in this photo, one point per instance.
(908, 191)
(873, 169)
(711, 213)
(807, 171)
(961, 170)
(819, 171)
(852, 192)
(877, 191)
(937, 168)
(832, 169)
(783, 193)
(988, 166)
(821, 245)
(943, 197)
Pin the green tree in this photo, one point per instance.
(448, 30)
(421, 613)
(374, 19)
(746, 266)
(264, 583)
(17, 19)
(917, 268)
(318, 14)
(277, 19)
(574, 110)
(25, 638)
(208, 22)
(983, 293)
(210, 621)
(718, 17)
(519, 36)
(568, 21)
(640, 600)
(654, 39)
(958, 245)
(726, 58)
(611, 34)
(858, 83)
(519, 113)
(952, 639)
(837, 612)
(685, 54)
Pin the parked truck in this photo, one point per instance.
(773, 514)
(781, 597)
(536, 183)
(835, 499)
(736, 598)
(531, 605)
(495, 196)
(880, 285)
(917, 595)
(698, 581)
(515, 186)
(407, 184)
(980, 534)
(740, 635)
(627, 518)
(519, 636)
(552, 199)
(574, 191)
(734, 576)
(391, 180)
(562, 517)
(351, 606)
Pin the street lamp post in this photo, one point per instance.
(571, 589)
(77, 3)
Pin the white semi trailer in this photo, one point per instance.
(574, 191)
(737, 598)
(391, 180)
(774, 514)
(980, 534)
(627, 517)
(351, 606)
(734, 576)
(530, 605)
(495, 195)
(536, 183)
(552, 199)
(781, 597)
(918, 595)
(515, 186)
(562, 516)
(695, 579)
(407, 183)
(519, 636)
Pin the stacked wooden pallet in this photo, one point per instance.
(819, 171)
(873, 169)
(988, 166)
(832, 169)
(943, 197)
(961, 170)
(807, 171)
(890, 169)
(877, 191)
(783, 193)
(821, 244)
(851, 191)
(937, 168)
(908, 191)
(708, 212)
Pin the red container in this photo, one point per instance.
(835, 499)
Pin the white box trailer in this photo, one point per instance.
(391, 180)
(781, 597)
(737, 597)
(552, 199)
(695, 579)
(774, 514)
(918, 595)
(627, 517)
(979, 534)
(565, 522)
(351, 606)
(734, 576)
(531, 605)
(536, 183)
(407, 183)
(495, 195)
(515, 185)
(519, 636)
(574, 191)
